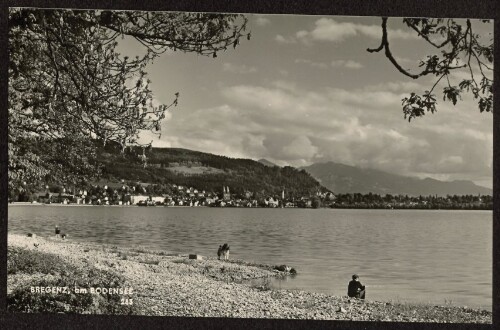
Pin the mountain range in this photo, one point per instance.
(340, 178)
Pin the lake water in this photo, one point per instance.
(400, 255)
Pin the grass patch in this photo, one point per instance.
(31, 262)
(21, 299)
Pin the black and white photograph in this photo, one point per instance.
(242, 165)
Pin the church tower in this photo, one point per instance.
(226, 193)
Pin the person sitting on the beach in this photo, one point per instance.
(356, 289)
(58, 232)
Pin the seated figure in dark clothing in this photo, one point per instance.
(356, 289)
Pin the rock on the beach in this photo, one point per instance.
(341, 310)
(285, 269)
(195, 256)
(31, 235)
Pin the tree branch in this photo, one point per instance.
(385, 45)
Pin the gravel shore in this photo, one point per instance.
(166, 284)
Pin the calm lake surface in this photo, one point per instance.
(400, 255)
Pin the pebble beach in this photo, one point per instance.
(164, 283)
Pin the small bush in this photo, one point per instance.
(30, 262)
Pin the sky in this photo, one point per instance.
(304, 90)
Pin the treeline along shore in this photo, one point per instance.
(55, 275)
(176, 195)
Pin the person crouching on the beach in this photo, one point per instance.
(356, 289)
(58, 232)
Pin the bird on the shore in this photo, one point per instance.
(63, 236)
(223, 251)
(36, 244)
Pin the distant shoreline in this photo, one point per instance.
(256, 207)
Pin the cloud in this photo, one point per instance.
(239, 69)
(284, 73)
(146, 137)
(365, 127)
(300, 148)
(284, 148)
(262, 21)
(328, 29)
(402, 60)
(203, 129)
(318, 65)
(285, 85)
(349, 64)
(346, 64)
(399, 86)
(285, 40)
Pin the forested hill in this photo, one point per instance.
(204, 171)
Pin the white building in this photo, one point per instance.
(134, 199)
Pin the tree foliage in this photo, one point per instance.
(68, 83)
(457, 46)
